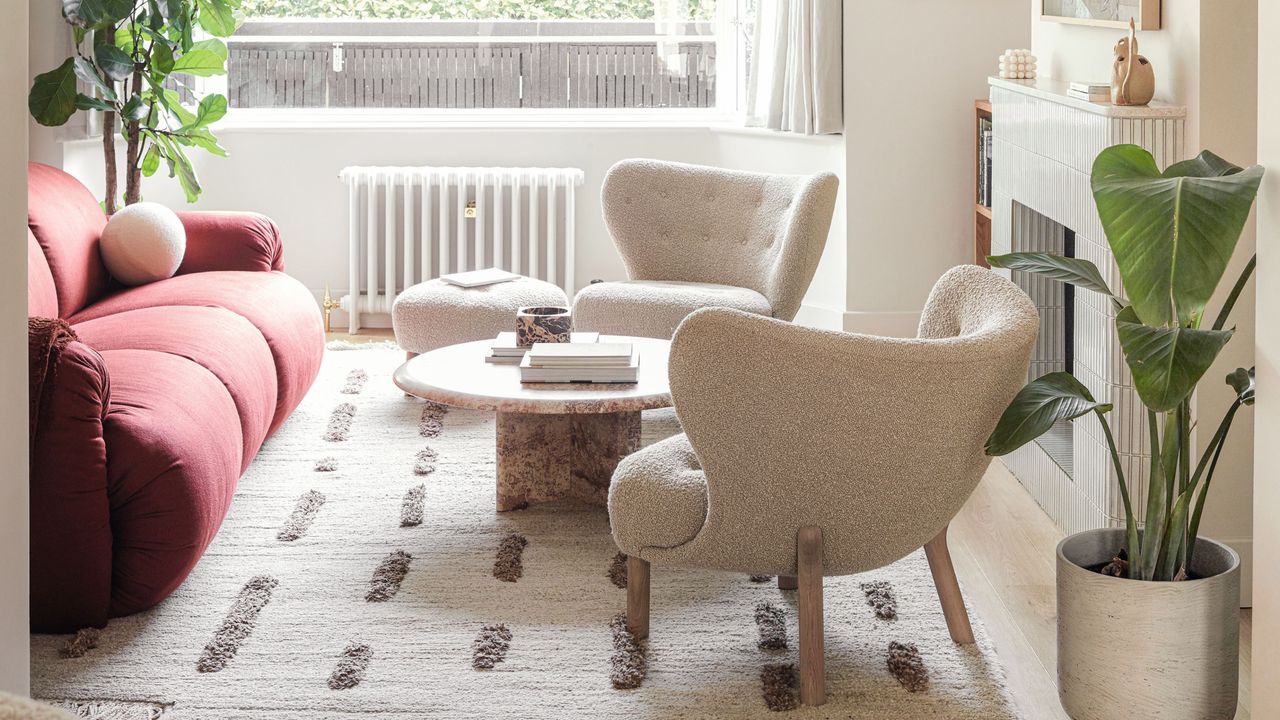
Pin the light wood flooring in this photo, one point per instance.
(1003, 545)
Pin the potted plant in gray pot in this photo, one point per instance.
(1148, 614)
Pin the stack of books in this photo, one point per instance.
(479, 278)
(505, 351)
(580, 363)
(984, 164)
(1090, 91)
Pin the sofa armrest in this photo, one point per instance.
(230, 241)
(70, 512)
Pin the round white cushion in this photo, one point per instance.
(142, 243)
(434, 314)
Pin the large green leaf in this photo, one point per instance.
(1037, 407)
(85, 102)
(1080, 273)
(205, 58)
(211, 109)
(1172, 233)
(1166, 362)
(96, 14)
(86, 71)
(115, 63)
(52, 100)
(218, 17)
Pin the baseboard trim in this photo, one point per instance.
(820, 316)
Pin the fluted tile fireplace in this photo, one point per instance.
(1044, 146)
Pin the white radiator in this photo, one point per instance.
(409, 224)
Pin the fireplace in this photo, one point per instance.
(1044, 143)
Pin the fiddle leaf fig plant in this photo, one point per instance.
(1172, 234)
(131, 59)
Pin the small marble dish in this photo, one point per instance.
(546, 324)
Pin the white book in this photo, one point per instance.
(628, 374)
(505, 344)
(1090, 87)
(479, 278)
(1090, 97)
(563, 352)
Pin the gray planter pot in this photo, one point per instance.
(1131, 649)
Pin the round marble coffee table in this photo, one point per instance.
(554, 440)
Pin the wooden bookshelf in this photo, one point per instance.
(981, 213)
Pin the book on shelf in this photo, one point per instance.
(479, 278)
(506, 351)
(1098, 98)
(984, 162)
(584, 373)
(1089, 87)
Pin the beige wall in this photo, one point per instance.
(912, 72)
(1266, 509)
(1205, 57)
(14, 675)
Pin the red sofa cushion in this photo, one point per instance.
(42, 296)
(279, 306)
(224, 343)
(173, 457)
(67, 223)
(70, 520)
(230, 241)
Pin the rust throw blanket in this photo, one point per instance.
(46, 339)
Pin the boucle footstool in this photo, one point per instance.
(434, 313)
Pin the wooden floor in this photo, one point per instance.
(1003, 544)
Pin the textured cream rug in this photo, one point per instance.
(356, 576)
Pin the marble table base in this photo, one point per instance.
(543, 457)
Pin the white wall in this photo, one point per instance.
(912, 72)
(1266, 508)
(14, 613)
(1205, 58)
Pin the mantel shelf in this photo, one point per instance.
(1056, 91)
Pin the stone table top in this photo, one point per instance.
(458, 375)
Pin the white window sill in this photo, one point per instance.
(294, 120)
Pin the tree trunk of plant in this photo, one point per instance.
(133, 180)
(109, 156)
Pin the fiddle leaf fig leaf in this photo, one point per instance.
(85, 102)
(217, 17)
(96, 14)
(115, 63)
(204, 59)
(89, 74)
(1037, 407)
(1166, 362)
(1172, 233)
(1242, 381)
(52, 100)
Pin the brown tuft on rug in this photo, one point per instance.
(907, 666)
(302, 516)
(618, 570)
(387, 577)
(880, 598)
(340, 423)
(490, 646)
(351, 666)
(509, 564)
(780, 687)
(413, 505)
(627, 664)
(237, 625)
(81, 643)
(771, 623)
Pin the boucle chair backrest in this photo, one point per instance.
(672, 221)
(878, 441)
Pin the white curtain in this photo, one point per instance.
(796, 83)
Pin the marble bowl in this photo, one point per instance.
(543, 324)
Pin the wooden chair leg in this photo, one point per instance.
(944, 579)
(638, 597)
(813, 679)
(787, 582)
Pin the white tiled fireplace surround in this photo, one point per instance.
(1044, 146)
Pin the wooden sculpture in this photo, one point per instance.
(1133, 81)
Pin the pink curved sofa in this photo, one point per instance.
(158, 407)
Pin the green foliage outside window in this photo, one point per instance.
(472, 9)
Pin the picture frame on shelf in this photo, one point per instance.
(1103, 13)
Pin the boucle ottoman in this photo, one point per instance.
(434, 314)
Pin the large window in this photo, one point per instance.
(590, 55)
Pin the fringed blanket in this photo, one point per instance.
(46, 339)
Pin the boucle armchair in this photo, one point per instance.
(809, 453)
(694, 237)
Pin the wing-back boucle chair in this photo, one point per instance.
(694, 237)
(811, 453)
